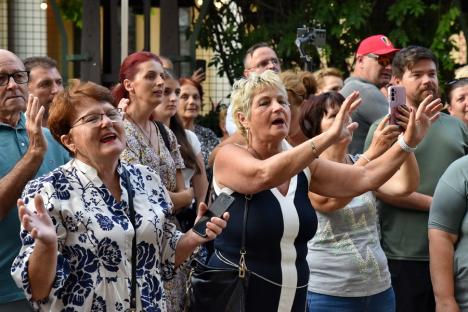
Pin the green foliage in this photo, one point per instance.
(72, 11)
(238, 24)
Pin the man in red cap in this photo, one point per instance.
(373, 70)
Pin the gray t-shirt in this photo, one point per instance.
(449, 213)
(374, 105)
(345, 258)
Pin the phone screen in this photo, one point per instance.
(217, 208)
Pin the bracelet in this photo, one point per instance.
(405, 147)
(365, 158)
(314, 148)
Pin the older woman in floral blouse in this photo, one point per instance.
(76, 219)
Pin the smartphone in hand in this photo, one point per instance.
(216, 209)
(396, 98)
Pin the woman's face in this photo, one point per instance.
(147, 86)
(459, 103)
(95, 140)
(269, 115)
(170, 102)
(189, 102)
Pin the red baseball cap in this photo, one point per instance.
(377, 44)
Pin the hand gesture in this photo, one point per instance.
(34, 114)
(199, 75)
(420, 121)
(39, 224)
(214, 227)
(384, 136)
(343, 126)
(123, 105)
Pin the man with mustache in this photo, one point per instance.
(26, 151)
(372, 70)
(45, 81)
(404, 219)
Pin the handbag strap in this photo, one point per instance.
(134, 249)
(242, 266)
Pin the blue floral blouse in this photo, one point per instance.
(95, 240)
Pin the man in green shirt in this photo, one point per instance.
(26, 150)
(404, 219)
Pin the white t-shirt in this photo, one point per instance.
(196, 146)
(231, 127)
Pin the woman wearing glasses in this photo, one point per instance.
(457, 99)
(77, 219)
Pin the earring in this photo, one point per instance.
(247, 130)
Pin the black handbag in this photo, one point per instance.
(220, 289)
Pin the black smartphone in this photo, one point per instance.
(216, 209)
(200, 64)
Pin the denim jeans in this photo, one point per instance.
(381, 302)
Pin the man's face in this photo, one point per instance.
(420, 81)
(262, 59)
(45, 83)
(13, 95)
(377, 69)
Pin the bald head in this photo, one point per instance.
(8, 56)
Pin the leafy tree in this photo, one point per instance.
(231, 27)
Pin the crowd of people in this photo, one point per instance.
(342, 210)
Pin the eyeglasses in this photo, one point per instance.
(383, 60)
(20, 77)
(94, 120)
(264, 63)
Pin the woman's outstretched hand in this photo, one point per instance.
(420, 121)
(38, 224)
(384, 136)
(343, 126)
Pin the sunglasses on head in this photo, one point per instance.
(455, 81)
(383, 60)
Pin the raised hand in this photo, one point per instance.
(343, 126)
(420, 121)
(384, 136)
(38, 224)
(199, 75)
(34, 114)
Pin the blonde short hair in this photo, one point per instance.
(327, 71)
(245, 89)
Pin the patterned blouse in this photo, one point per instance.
(95, 238)
(139, 151)
(208, 140)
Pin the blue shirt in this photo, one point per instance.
(14, 143)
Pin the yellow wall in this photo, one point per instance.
(155, 31)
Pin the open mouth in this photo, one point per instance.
(158, 93)
(279, 122)
(108, 138)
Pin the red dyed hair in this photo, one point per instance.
(192, 82)
(128, 70)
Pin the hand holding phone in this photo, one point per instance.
(216, 209)
(396, 98)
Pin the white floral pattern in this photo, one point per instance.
(95, 239)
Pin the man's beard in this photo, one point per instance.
(421, 95)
